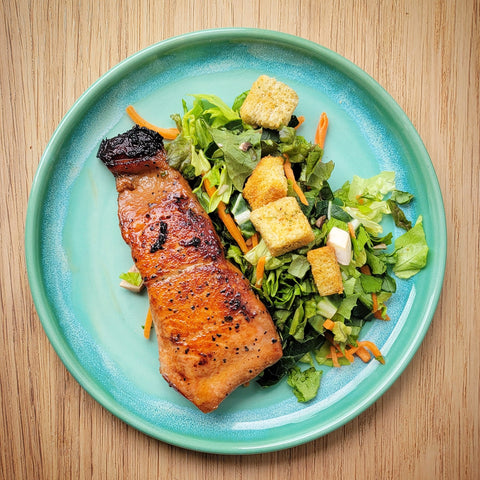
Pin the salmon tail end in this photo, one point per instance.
(131, 152)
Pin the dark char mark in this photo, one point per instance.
(138, 143)
(162, 238)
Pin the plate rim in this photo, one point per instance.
(33, 258)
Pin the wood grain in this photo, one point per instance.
(427, 56)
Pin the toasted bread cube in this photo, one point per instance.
(267, 182)
(282, 225)
(325, 270)
(269, 103)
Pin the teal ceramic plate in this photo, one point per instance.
(75, 252)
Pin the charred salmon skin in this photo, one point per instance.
(213, 333)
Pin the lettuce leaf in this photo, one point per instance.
(240, 162)
(305, 384)
(299, 266)
(402, 198)
(199, 162)
(373, 188)
(134, 278)
(215, 111)
(341, 332)
(410, 251)
(363, 199)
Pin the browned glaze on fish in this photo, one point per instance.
(213, 333)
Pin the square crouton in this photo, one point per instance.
(267, 182)
(269, 103)
(282, 225)
(325, 270)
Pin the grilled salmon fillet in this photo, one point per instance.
(213, 333)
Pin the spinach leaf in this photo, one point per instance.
(398, 216)
(293, 351)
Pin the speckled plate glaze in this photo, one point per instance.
(75, 253)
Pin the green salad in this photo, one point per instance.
(216, 149)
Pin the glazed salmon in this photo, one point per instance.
(213, 333)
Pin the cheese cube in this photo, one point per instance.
(340, 240)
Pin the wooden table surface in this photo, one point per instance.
(426, 55)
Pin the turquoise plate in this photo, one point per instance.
(75, 253)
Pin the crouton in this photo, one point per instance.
(325, 270)
(282, 225)
(269, 103)
(267, 182)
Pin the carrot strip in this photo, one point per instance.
(375, 302)
(208, 187)
(300, 119)
(321, 132)
(363, 354)
(373, 348)
(287, 166)
(148, 324)
(328, 324)
(232, 227)
(333, 353)
(338, 353)
(349, 354)
(351, 230)
(377, 313)
(167, 133)
(226, 218)
(254, 239)
(260, 271)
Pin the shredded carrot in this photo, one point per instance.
(333, 353)
(338, 353)
(380, 316)
(232, 227)
(226, 218)
(167, 133)
(260, 271)
(373, 348)
(287, 166)
(362, 350)
(351, 230)
(300, 119)
(375, 302)
(254, 240)
(363, 354)
(148, 324)
(321, 132)
(328, 324)
(377, 312)
(349, 354)
(208, 187)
